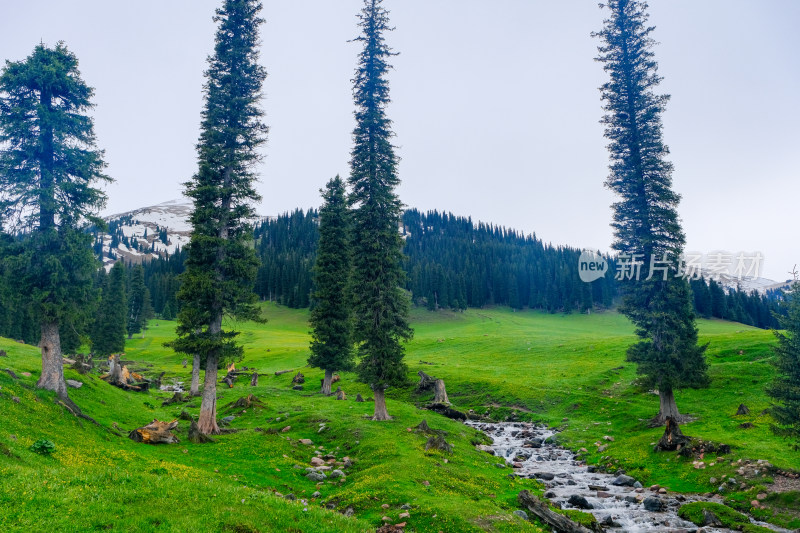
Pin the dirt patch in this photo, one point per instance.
(784, 484)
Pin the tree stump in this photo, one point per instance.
(3, 353)
(340, 395)
(254, 380)
(116, 371)
(440, 393)
(359, 398)
(743, 410)
(155, 432)
(83, 363)
(157, 381)
(437, 442)
(672, 439)
(246, 402)
(298, 379)
(176, 398)
(195, 436)
(425, 381)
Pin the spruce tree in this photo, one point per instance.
(136, 301)
(49, 162)
(108, 334)
(380, 306)
(221, 263)
(785, 388)
(331, 318)
(645, 221)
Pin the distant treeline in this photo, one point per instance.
(454, 263)
(451, 263)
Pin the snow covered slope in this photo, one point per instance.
(145, 233)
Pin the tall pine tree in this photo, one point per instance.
(221, 263)
(108, 333)
(137, 305)
(785, 388)
(49, 162)
(380, 306)
(645, 221)
(331, 317)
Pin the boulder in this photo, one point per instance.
(624, 481)
(316, 476)
(520, 513)
(576, 500)
(652, 504)
(74, 384)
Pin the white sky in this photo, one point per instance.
(495, 105)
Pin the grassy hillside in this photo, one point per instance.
(563, 370)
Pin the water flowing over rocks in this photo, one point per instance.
(617, 501)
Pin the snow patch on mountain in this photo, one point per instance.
(145, 233)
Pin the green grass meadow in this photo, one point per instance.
(567, 371)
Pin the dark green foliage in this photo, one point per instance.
(331, 320)
(137, 306)
(108, 334)
(161, 277)
(286, 246)
(221, 263)
(380, 305)
(47, 166)
(645, 219)
(43, 447)
(785, 389)
(453, 263)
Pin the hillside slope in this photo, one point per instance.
(567, 371)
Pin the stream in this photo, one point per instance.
(571, 484)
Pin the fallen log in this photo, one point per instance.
(156, 432)
(540, 509)
(447, 411)
(279, 372)
(11, 373)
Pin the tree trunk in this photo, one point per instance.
(207, 423)
(673, 438)
(195, 387)
(52, 377)
(326, 383)
(439, 392)
(668, 407)
(380, 404)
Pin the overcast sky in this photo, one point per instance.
(495, 106)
